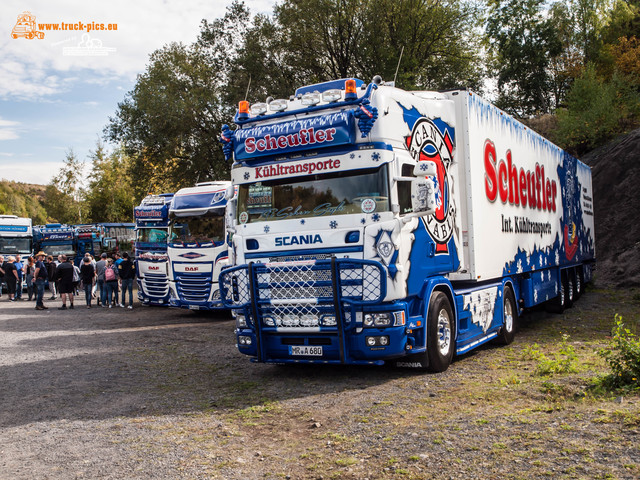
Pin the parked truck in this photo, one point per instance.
(56, 239)
(152, 262)
(197, 245)
(89, 240)
(379, 225)
(16, 235)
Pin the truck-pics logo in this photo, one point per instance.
(26, 27)
(427, 142)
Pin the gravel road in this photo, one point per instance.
(154, 393)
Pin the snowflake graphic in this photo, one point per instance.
(302, 221)
(375, 217)
(246, 175)
(333, 224)
(363, 221)
(375, 156)
(424, 166)
(266, 229)
(352, 156)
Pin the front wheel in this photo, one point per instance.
(440, 333)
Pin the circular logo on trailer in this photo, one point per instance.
(217, 197)
(368, 205)
(427, 142)
(244, 217)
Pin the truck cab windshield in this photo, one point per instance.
(341, 193)
(15, 245)
(200, 229)
(152, 235)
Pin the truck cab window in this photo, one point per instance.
(404, 190)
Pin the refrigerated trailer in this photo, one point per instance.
(376, 225)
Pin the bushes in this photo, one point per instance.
(597, 110)
(623, 357)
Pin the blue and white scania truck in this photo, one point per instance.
(379, 225)
(197, 245)
(56, 239)
(152, 262)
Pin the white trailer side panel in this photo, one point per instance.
(528, 203)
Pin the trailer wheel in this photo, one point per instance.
(569, 290)
(557, 304)
(509, 318)
(440, 333)
(579, 283)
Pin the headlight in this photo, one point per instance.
(310, 98)
(278, 105)
(244, 340)
(377, 319)
(331, 95)
(258, 108)
(329, 321)
(241, 321)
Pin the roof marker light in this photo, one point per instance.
(278, 105)
(332, 95)
(310, 99)
(258, 109)
(350, 90)
(243, 110)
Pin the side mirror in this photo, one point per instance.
(230, 192)
(423, 189)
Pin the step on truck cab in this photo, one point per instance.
(16, 235)
(375, 225)
(197, 245)
(152, 262)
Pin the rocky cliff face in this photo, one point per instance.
(616, 191)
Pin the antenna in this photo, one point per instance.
(247, 93)
(398, 66)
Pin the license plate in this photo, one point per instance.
(194, 307)
(305, 350)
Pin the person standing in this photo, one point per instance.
(40, 276)
(64, 277)
(111, 279)
(10, 277)
(19, 270)
(28, 270)
(102, 289)
(87, 276)
(51, 276)
(127, 273)
(1, 274)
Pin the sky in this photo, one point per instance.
(58, 92)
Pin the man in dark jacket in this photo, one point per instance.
(64, 276)
(127, 273)
(51, 273)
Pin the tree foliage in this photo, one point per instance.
(22, 200)
(109, 196)
(63, 195)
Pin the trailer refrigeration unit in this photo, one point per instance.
(152, 261)
(16, 235)
(374, 224)
(197, 245)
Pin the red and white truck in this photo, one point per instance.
(376, 225)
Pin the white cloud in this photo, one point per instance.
(7, 130)
(40, 173)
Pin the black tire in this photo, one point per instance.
(569, 289)
(557, 304)
(579, 283)
(440, 333)
(509, 317)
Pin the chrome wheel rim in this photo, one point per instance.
(508, 316)
(444, 332)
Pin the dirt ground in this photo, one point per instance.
(153, 393)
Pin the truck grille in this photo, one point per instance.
(156, 286)
(300, 294)
(193, 288)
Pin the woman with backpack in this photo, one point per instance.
(111, 281)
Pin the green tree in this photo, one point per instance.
(522, 40)
(64, 194)
(597, 110)
(109, 196)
